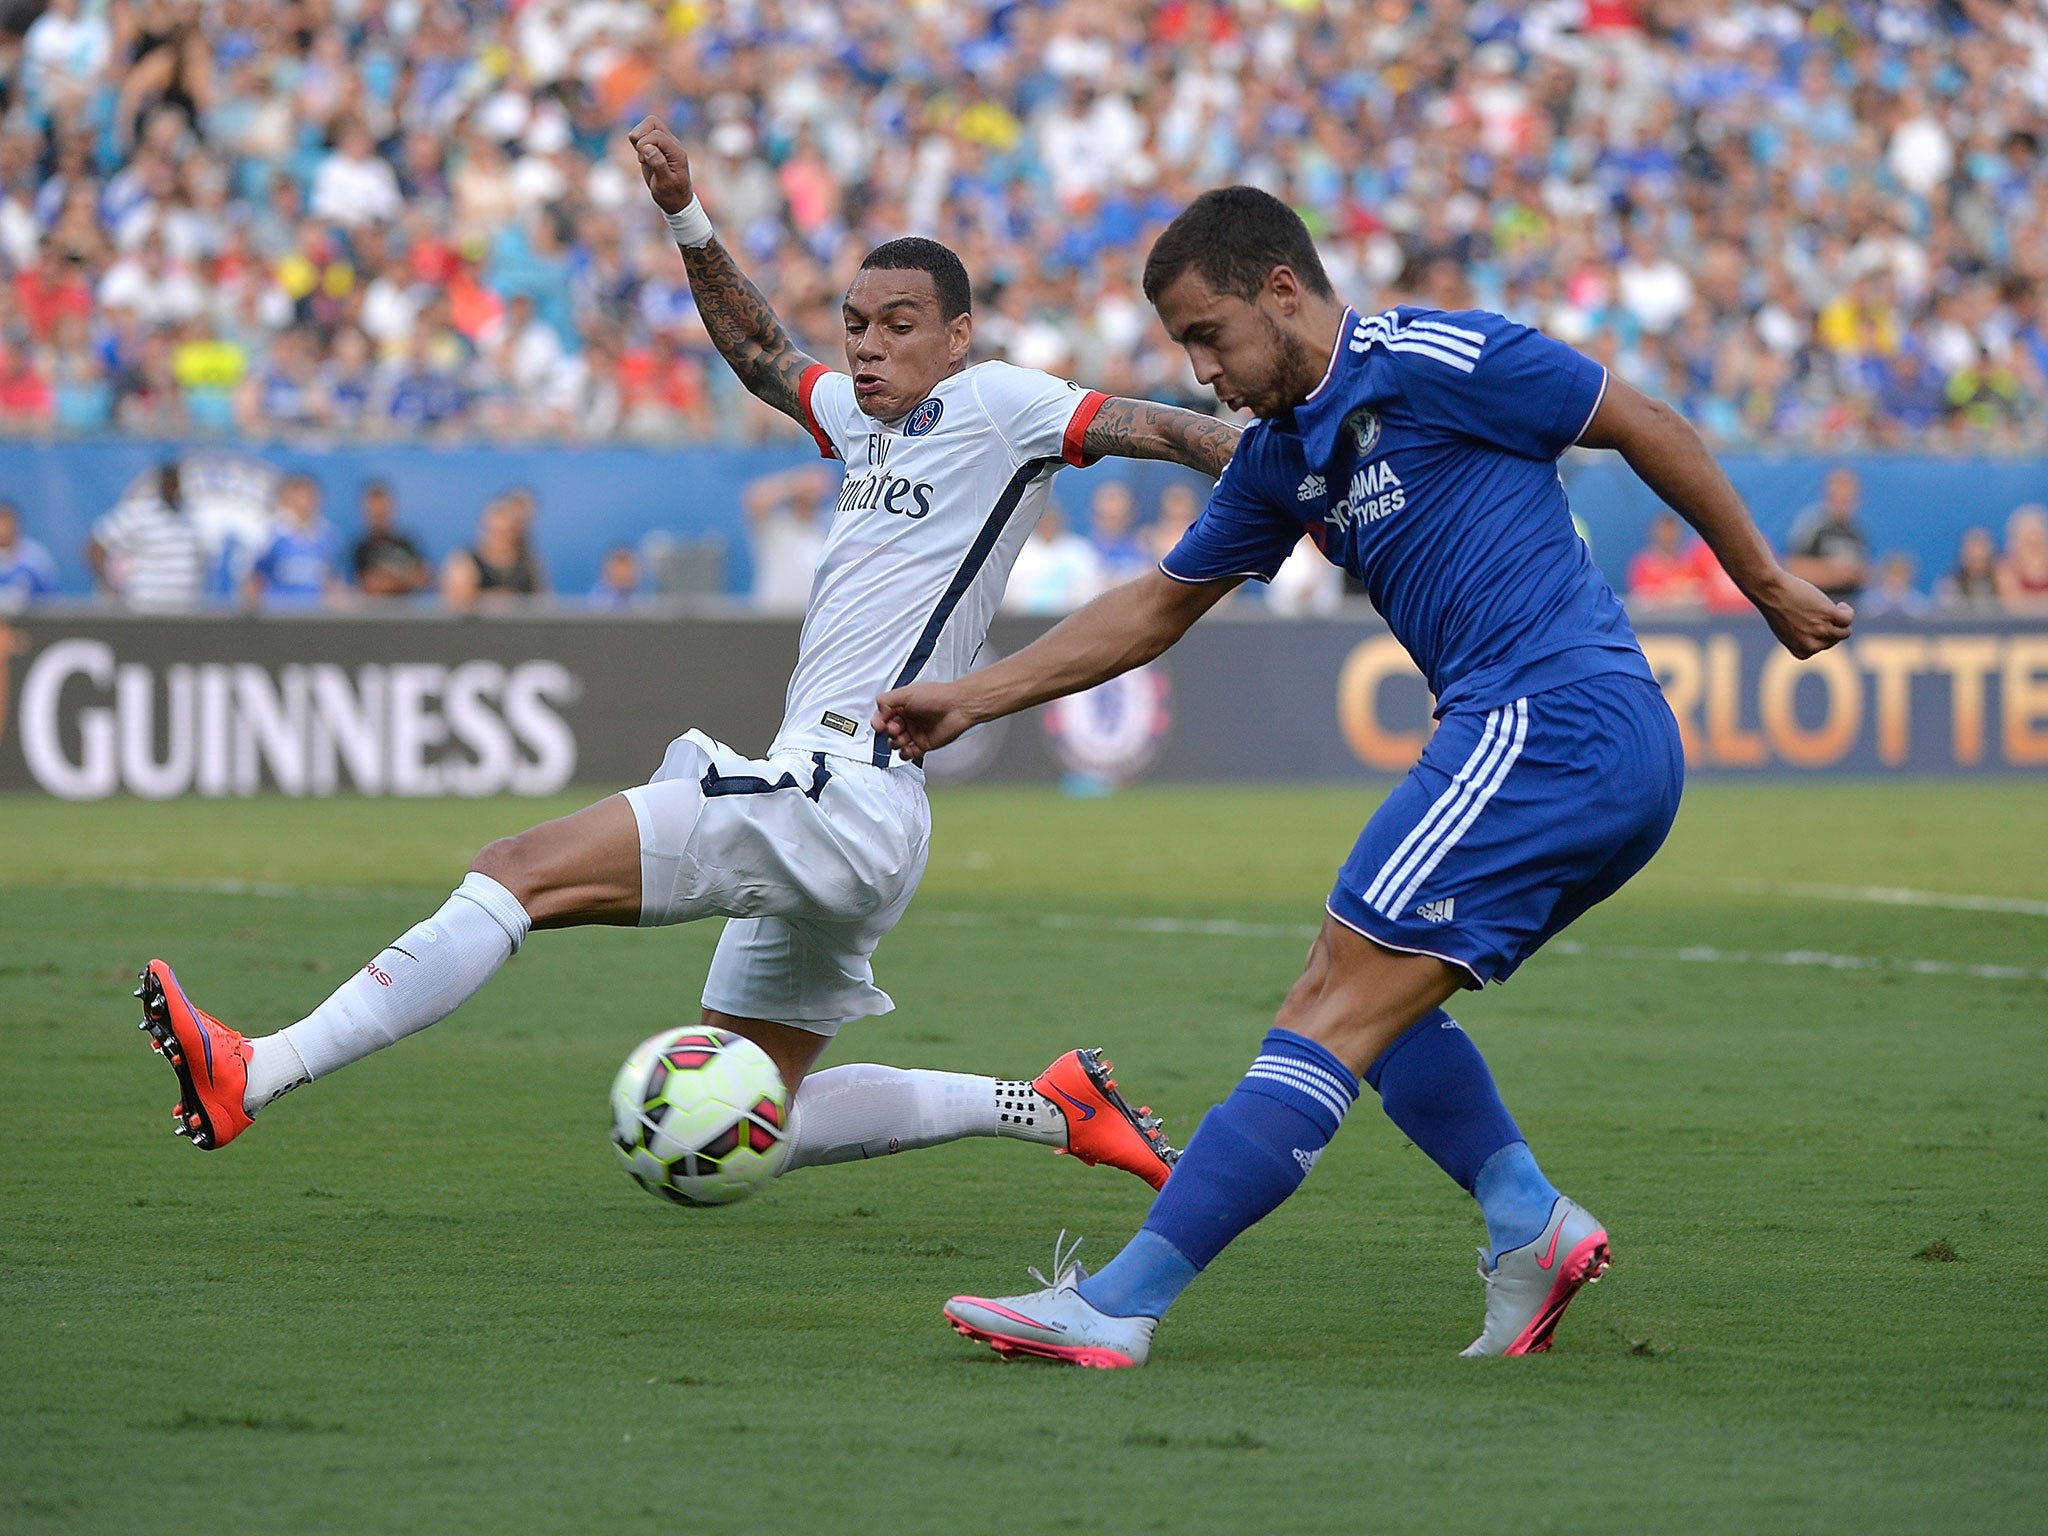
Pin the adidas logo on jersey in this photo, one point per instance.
(1311, 488)
(1307, 1159)
(1438, 911)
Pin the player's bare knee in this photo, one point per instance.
(513, 863)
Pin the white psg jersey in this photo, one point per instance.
(933, 510)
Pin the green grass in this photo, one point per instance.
(421, 1297)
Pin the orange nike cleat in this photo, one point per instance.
(211, 1060)
(1101, 1127)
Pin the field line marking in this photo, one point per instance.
(1694, 954)
(1891, 896)
(271, 889)
(1691, 954)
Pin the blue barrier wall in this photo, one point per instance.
(592, 498)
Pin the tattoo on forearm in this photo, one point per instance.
(1141, 429)
(744, 329)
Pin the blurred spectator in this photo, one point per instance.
(2023, 573)
(620, 586)
(386, 561)
(1827, 545)
(498, 571)
(1972, 584)
(1715, 586)
(148, 552)
(1660, 575)
(1895, 596)
(786, 534)
(298, 568)
(1179, 506)
(1306, 584)
(1056, 571)
(1113, 524)
(27, 573)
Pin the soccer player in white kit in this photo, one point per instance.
(814, 851)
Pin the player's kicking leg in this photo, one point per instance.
(1254, 1150)
(588, 868)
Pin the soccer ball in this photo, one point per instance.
(699, 1116)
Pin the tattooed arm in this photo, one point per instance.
(742, 323)
(1140, 429)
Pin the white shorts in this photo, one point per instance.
(813, 857)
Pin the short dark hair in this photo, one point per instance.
(1233, 238)
(914, 253)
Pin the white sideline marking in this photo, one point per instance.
(1893, 896)
(1230, 928)
(1692, 954)
(272, 889)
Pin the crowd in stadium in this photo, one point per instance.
(1817, 224)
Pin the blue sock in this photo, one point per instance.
(1516, 1198)
(1251, 1153)
(1435, 1086)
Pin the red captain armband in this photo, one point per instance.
(804, 386)
(1077, 429)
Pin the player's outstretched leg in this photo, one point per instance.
(844, 1114)
(1541, 1248)
(582, 868)
(1252, 1151)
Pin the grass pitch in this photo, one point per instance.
(420, 1296)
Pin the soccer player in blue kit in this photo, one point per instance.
(1418, 450)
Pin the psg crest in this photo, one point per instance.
(1364, 425)
(923, 417)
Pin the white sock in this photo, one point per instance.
(846, 1113)
(274, 1069)
(418, 979)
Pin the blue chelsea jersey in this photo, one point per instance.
(1425, 465)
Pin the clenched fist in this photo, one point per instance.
(663, 165)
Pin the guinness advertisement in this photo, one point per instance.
(94, 706)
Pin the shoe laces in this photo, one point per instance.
(1063, 1264)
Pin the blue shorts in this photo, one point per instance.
(1516, 821)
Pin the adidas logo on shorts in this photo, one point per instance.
(1307, 1160)
(1437, 911)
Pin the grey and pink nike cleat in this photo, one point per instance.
(1056, 1323)
(1528, 1290)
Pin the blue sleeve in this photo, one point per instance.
(265, 563)
(1244, 531)
(1500, 382)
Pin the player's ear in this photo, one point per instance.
(959, 337)
(1284, 289)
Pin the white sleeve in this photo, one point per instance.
(1040, 416)
(830, 414)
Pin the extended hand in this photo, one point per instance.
(1805, 619)
(663, 165)
(922, 718)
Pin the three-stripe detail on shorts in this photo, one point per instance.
(1454, 811)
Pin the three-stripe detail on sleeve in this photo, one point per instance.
(1452, 345)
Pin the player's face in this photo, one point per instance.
(897, 347)
(1246, 352)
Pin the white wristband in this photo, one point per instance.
(690, 225)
